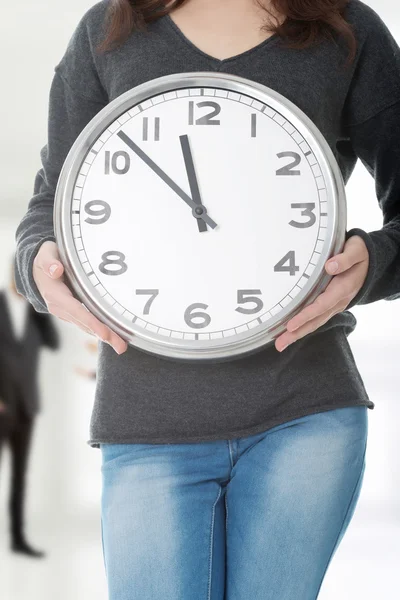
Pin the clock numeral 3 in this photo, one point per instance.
(291, 267)
(100, 215)
(106, 266)
(241, 299)
(286, 170)
(206, 119)
(189, 316)
(119, 167)
(307, 212)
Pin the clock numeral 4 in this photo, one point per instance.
(108, 264)
(307, 212)
(97, 216)
(119, 162)
(291, 267)
(207, 119)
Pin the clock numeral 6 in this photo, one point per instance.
(101, 215)
(124, 162)
(205, 119)
(307, 212)
(106, 266)
(241, 299)
(291, 267)
(190, 315)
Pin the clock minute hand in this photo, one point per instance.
(199, 212)
(191, 174)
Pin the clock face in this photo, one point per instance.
(198, 216)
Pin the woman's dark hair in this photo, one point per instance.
(305, 21)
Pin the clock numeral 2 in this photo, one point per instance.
(286, 170)
(205, 119)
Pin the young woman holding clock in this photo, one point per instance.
(237, 479)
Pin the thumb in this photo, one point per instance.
(48, 261)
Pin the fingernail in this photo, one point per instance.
(333, 266)
(53, 269)
(284, 348)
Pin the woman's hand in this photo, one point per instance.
(48, 273)
(350, 274)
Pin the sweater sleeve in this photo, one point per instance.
(76, 96)
(376, 142)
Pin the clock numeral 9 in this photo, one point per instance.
(124, 162)
(100, 215)
(307, 212)
(291, 267)
(205, 119)
(106, 268)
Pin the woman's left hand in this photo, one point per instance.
(350, 274)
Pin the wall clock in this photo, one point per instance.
(194, 215)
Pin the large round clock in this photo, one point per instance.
(194, 215)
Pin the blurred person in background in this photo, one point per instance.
(23, 332)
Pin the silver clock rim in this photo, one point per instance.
(253, 339)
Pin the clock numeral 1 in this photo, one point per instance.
(254, 125)
(207, 119)
(100, 215)
(190, 315)
(286, 170)
(291, 267)
(120, 169)
(107, 259)
(307, 212)
(153, 294)
(145, 133)
(241, 299)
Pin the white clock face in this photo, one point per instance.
(263, 213)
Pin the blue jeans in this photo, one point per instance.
(250, 518)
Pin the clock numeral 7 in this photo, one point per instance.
(152, 294)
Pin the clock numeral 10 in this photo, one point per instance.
(120, 167)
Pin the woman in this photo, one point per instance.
(239, 479)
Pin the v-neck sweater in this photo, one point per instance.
(143, 398)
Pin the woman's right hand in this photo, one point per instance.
(48, 273)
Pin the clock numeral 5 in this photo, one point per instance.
(206, 119)
(241, 299)
(307, 212)
(291, 267)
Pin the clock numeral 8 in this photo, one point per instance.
(105, 268)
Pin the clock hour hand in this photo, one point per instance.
(199, 212)
(191, 173)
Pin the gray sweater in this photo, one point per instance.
(142, 398)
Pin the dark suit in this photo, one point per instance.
(19, 391)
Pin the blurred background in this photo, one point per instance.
(64, 478)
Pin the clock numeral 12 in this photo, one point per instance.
(207, 119)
